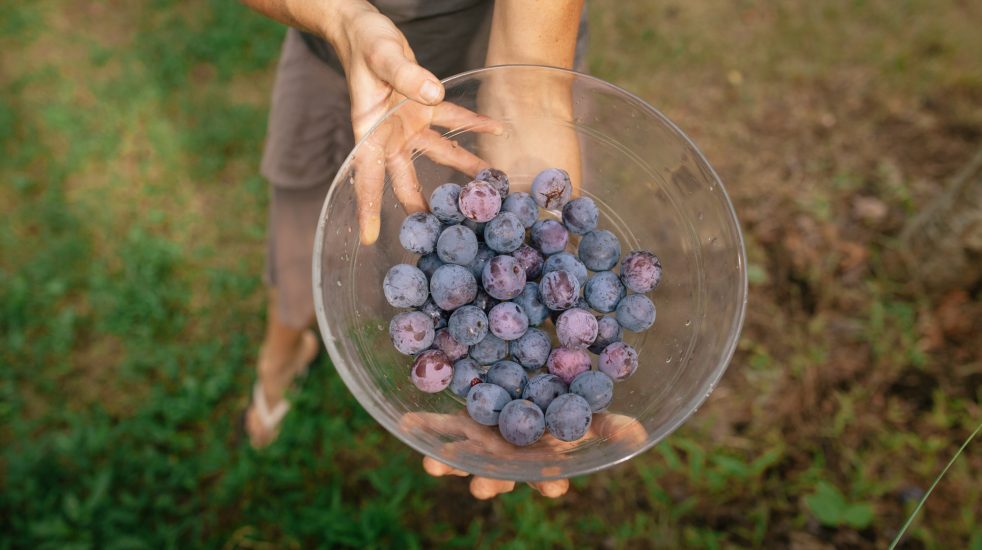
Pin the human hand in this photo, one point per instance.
(536, 110)
(382, 71)
(474, 438)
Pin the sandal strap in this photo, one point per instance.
(269, 418)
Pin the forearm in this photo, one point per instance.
(536, 32)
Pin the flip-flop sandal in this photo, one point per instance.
(270, 418)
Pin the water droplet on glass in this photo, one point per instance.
(338, 282)
(699, 216)
(688, 322)
(668, 359)
(379, 326)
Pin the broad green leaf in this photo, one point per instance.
(827, 504)
(858, 515)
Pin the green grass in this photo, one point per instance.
(131, 303)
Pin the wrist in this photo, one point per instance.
(338, 23)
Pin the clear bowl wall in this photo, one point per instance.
(655, 191)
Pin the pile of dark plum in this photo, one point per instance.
(490, 272)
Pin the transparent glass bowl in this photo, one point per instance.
(655, 192)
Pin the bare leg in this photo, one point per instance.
(285, 353)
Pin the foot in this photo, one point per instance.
(277, 371)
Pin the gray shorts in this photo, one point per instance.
(308, 137)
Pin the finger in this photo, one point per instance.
(619, 428)
(454, 117)
(551, 489)
(448, 424)
(436, 468)
(559, 446)
(483, 488)
(391, 64)
(404, 183)
(369, 184)
(448, 152)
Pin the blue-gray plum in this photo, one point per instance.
(531, 261)
(489, 350)
(485, 401)
(568, 417)
(443, 203)
(483, 255)
(427, 263)
(457, 245)
(521, 423)
(635, 312)
(532, 349)
(604, 291)
(466, 374)
(505, 233)
(549, 236)
(599, 250)
(503, 277)
(594, 386)
(510, 376)
(521, 205)
(497, 179)
(468, 325)
(608, 332)
(581, 215)
(419, 232)
(405, 286)
(452, 286)
(569, 262)
(543, 389)
(532, 305)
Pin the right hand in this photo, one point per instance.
(382, 71)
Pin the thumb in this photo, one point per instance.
(392, 64)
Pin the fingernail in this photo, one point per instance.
(370, 231)
(430, 91)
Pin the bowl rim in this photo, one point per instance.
(692, 404)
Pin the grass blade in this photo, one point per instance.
(903, 530)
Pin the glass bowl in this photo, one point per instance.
(655, 191)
